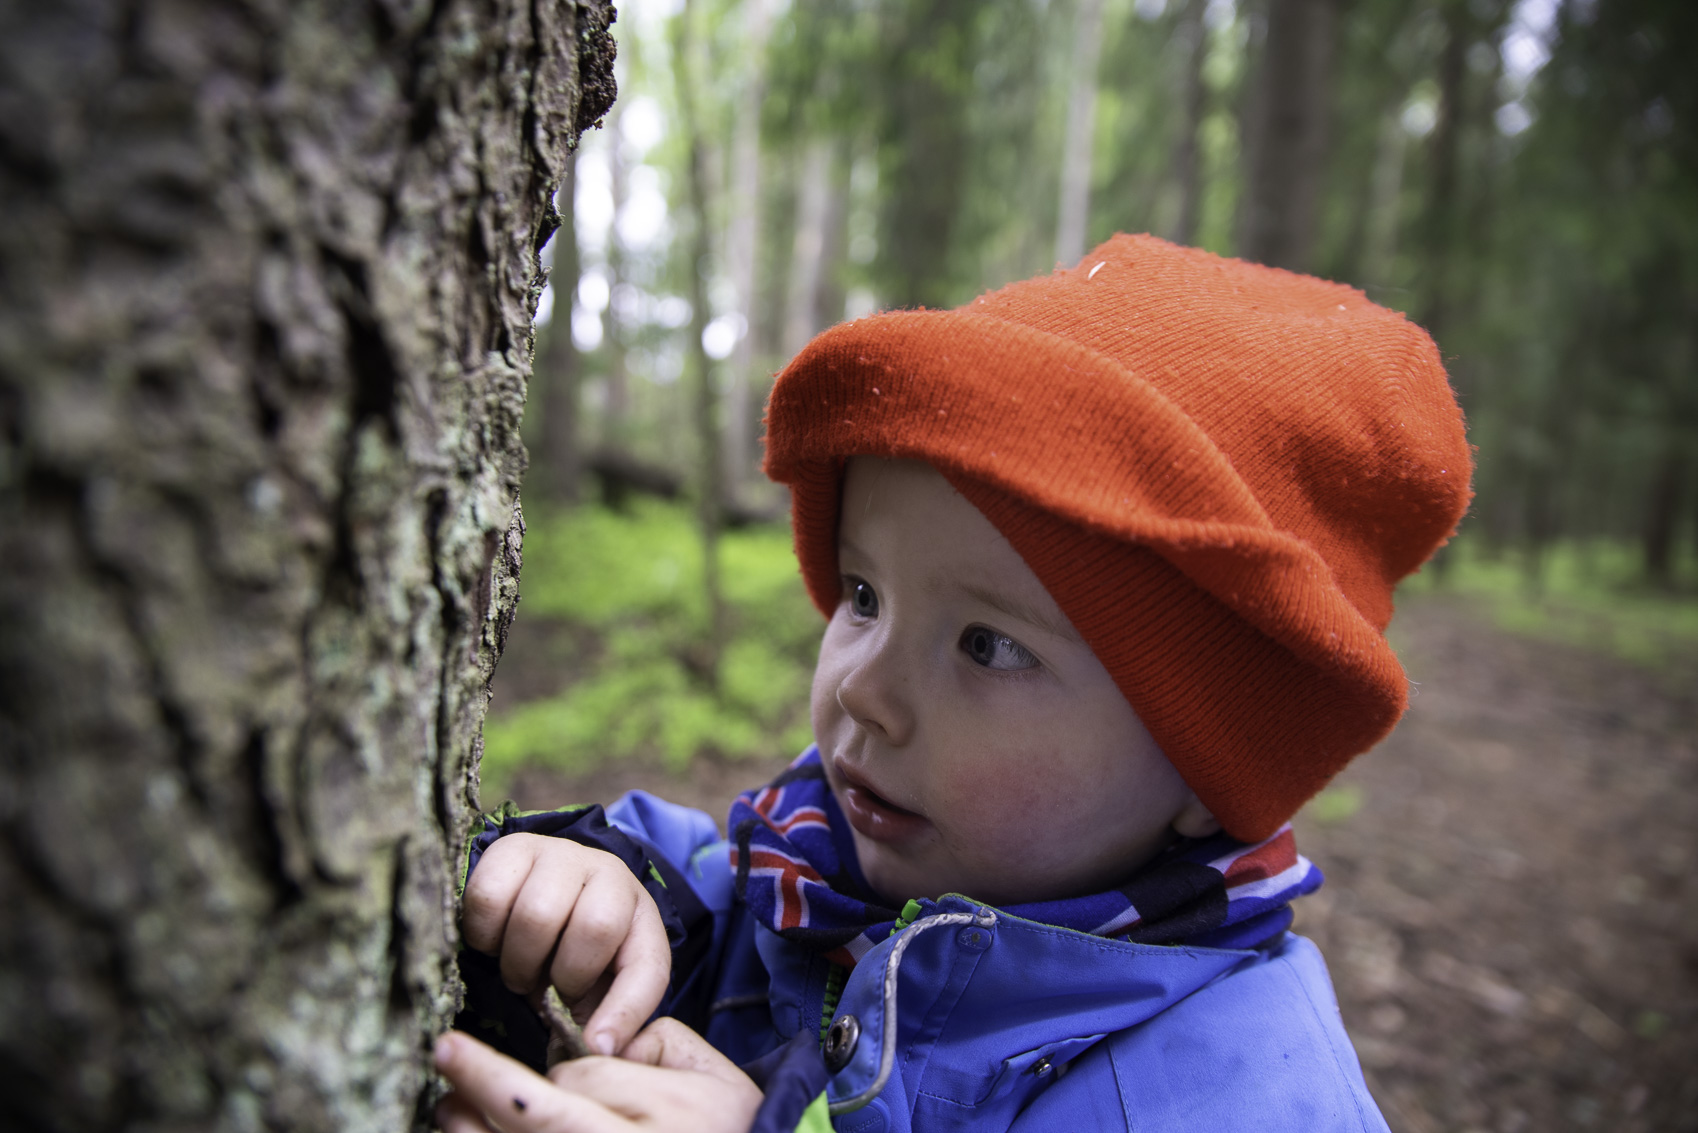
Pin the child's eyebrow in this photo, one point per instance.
(1021, 611)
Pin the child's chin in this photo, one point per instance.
(894, 880)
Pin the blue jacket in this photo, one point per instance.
(974, 1019)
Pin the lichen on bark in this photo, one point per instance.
(267, 281)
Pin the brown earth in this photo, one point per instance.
(1510, 915)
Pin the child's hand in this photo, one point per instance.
(668, 1078)
(555, 910)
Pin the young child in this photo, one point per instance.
(1108, 557)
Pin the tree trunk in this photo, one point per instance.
(266, 285)
(1074, 217)
(1385, 200)
(927, 84)
(742, 238)
(559, 365)
(1662, 515)
(1287, 132)
(1438, 219)
(818, 214)
(1193, 40)
(705, 403)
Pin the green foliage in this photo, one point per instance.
(1338, 803)
(1590, 594)
(631, 585)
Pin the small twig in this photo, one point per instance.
(565, 1037)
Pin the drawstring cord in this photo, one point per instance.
(887, 1048)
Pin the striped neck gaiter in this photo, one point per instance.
(796, 870)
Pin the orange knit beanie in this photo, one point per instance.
(1218, 470)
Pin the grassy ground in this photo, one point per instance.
(1590, 595)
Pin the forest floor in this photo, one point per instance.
(1510, 915)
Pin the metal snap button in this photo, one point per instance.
(1041, 1067)
(840, 1041)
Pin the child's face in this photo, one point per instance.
(975, 743)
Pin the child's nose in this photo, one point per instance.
(876, 693)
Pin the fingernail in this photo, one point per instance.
(443, 1051)
(602, 1042)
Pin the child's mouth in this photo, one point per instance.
(875, 816)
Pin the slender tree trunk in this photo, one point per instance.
(267, 277)
(1075, 210)
(742, 239)
(559, 365)
(1385, 200)
(705, 407)
(1192, 37)
(1662, 516)
(1287, 128)
(814, 216)
(831, 299)
(928, 69)
(1438, 219)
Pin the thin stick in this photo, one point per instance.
(565, 1037)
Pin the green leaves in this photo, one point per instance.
(630, 586)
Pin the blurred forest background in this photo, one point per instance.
(1518, 176)
(1511, 920)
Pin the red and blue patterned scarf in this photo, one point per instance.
(796, 870)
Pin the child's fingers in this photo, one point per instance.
(491, 890)
(642, 968)
(670, 1044)
(514, 1096)
(454, 1114)
(658, 1097)
(540, 911)
(601, 919)
(626, 1088)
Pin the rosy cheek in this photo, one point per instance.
(984, 799)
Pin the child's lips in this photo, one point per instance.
(873, 815)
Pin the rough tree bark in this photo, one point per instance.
(267, 275)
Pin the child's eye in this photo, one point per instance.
(863, 600)
(994, 651)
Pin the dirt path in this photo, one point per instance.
(1510, 915)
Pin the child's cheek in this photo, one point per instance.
(996, 802)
